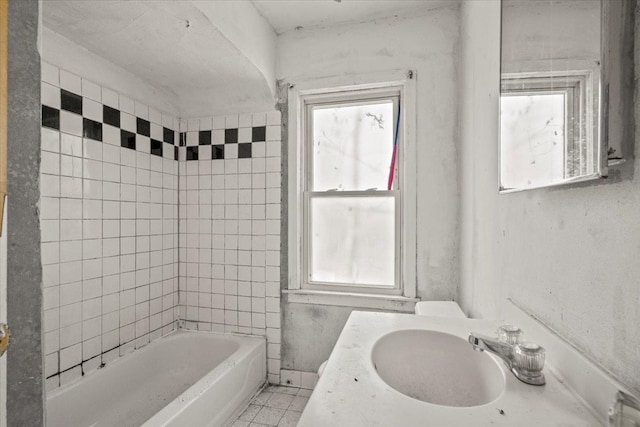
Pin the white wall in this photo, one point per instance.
(427, 44)
(64, 53)
(567, 255)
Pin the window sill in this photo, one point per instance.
(372, 301)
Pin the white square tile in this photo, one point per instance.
(219, 122)
(92, 248)
(273, 133)
(245, 121)
(91, 189)
(70, 123)
(50, 253)
(231, 121)
(70, 82)
(230, 152)
(127, 157)
(155, 117)
(71, 166)
(168, 121)
(50, 163)
(244, 135)
(70, 208)
(143, 144)
(50, 95)
(50, 140)
(110, 154)
(204, 153)
(110, 98)
(70, 250)
(141, 110)
(128, 122)
(49, 230)
(92, 169)
(71, 145)
(91, 228)
(217, 137)
(126, 106)
(192, 139)
(50, 73)
(111, 135)
(206, 123)
(156, 131)
(70, 335)
(274, 118)
(91, 90)
(259, 119)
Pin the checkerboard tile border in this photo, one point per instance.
(220, 144)
(69, 112)
(64, 111)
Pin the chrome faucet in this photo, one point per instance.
(524, 360)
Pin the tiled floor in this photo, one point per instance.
(275, 406)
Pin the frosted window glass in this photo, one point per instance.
(353, 240)
(533, 139)
(352, 146)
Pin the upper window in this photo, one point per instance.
(352, 195)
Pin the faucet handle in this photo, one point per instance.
(529, 358)
(509, 334)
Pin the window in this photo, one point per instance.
(350, 236)
(548, 131)
(352, 192)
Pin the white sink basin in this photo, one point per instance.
(438, 368)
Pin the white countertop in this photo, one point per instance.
(350, 392)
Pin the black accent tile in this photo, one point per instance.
(110, 116)
(244, 150)
(204, 137)
(143, 127)
(70, 101)
(230, 136)
(183, 139)
(192, 153)
(127, 139)
(91, 129)
(168, 135)
(156, 147)
(258, 133)
(217, 152)
(50, 117)
(175, 153)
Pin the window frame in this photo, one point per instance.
(344, 89)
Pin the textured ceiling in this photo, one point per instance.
(286, 15)
(171, 44)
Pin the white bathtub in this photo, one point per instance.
(184, 379)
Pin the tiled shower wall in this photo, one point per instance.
(230, 227)
(115, 177)
(109, 224)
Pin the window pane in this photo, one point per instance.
(352, 146)
(353, 240)
(532, 139)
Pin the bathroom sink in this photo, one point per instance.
(437, 368)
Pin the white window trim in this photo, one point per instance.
(405, 81)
